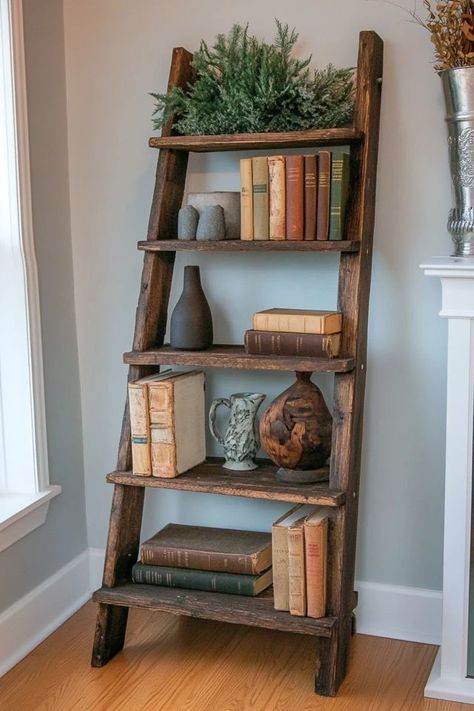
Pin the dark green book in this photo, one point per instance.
(201, 579)
(339, 193)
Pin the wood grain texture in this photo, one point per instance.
(241, 245)
(259, 141)
(211, 478)
(353, 301)
(237, 609)
(186, 664)
(229, 356)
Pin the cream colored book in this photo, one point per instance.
(298, 321)
(316, 542)
(297, 568)
(277, 197)
(140, 422)
(281, 589)
(177, 423)
(246, 199)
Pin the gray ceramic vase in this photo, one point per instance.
(191, 320)
(188, 218)
(211, 226)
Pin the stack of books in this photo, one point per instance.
(210, 559)
(297, 197)
(295, 332)
(167, 420)
(300, 561)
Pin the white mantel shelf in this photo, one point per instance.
(448, 678)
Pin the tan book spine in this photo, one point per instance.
(297, 323)
(277, 196)
(162, 429)
(296, 570)
(260, 198)
(316, 566)
(246, 199)
(281, 598)
(140, 429)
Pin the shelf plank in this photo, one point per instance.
(259, 141)
(240, 245)
(230, 356)
(211, 478)
(237, 609)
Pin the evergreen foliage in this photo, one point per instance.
(244, 85)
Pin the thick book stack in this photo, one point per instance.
(297, 197)
(293, 332)
(210, 559)
(167, 421)
(299, 540)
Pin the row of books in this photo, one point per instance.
(167, 422)
(297, 197)
(294, 332)
(210, 559)
(300, 540)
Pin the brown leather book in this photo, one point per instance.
(292, 344)
(316, 536)
(324, 195)
(202, 548)
(310, 197)
(294, 197)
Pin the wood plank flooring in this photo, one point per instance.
(181, 664)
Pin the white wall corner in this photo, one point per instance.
(411, 614)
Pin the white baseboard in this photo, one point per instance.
(27, 622)
(412, 614)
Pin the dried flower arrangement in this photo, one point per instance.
(451, 25)
(244, 85)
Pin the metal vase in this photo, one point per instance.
(458, 87)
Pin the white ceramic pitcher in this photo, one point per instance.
(241, 440)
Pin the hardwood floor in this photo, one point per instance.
(182, 664)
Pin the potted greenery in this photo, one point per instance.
(451, 26)
(244, 85)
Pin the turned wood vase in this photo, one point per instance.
(296, 431)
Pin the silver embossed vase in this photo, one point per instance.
(458, 86)
(241, 441)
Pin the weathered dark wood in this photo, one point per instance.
(237, 609)
(353, 301)
(121, 554)
(241, 245)
(227, 356)
(211, 478)
(260, 141)
(109, 635)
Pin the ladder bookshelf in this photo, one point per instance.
(118, 593)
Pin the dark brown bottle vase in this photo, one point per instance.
(191, 320)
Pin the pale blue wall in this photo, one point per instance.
(118, 51)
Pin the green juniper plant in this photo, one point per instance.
(244, 85)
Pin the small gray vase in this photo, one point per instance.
(211, 224)
(188, 218)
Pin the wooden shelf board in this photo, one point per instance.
(259, 141)
(237, 609)
(211, 478)
(230, 356)
(240, 245)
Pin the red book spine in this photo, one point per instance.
(310, 197)
(294, 197)
(324, 194)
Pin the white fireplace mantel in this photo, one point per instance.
(448, 679)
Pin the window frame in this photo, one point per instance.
(25, 491)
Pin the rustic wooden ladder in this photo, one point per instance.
(118, 594)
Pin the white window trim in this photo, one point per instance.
(24, 478)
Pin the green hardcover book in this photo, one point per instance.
(201, 579)
(339, 194)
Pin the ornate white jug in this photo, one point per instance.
(241, 440)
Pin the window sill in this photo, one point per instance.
(22, 513)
